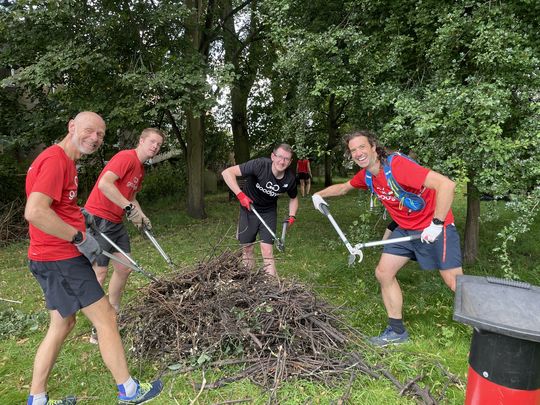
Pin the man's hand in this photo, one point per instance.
(146, 223)
(90, 248)
(89, 219)
(290, 220)
(135, 217)
(318, 201)
(245, 201)
(430, 234)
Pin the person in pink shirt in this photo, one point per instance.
(61, 254)
(114, 195)
(438, 247)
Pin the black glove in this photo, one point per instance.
(90, 248)
(89, 219)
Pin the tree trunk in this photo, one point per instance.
(332, 140)
(198, 24)
(195, 165)
(472, 225)
(239, 98)
(244, 53)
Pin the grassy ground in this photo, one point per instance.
(315, 256)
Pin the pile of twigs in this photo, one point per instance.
(13, 227)
(220, 313)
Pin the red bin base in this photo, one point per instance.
(481, 391)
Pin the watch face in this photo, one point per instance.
(77, 238)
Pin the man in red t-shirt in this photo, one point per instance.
(438, 247)
(114, 194)
(61, 253)
(303, 171)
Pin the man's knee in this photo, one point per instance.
(384, 275)
(450, 277)
(101, 273)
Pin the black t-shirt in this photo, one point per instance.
(263, 187)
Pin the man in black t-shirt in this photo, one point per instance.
(266, 179)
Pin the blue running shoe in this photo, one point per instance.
(145, 393)
(63, 401)
(389, 337)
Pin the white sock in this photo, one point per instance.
(129, 388)
(38, 399)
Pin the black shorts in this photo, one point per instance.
(249, 225)
(68, 285)
(115, 232)
(303, 176)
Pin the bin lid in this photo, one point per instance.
(507, 307)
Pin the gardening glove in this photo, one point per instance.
(146, 223)
(89, 219)
(431, 233)
(245, 201)
(290, 220)
(318, 202)
(89, 247)
(135, 216)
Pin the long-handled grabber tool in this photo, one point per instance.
(129, 265)
(279, 243)
(359, 246)
(132, 263)
(283, 233)
(352, 251)
(152, 239)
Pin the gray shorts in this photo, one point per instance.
(443, 254)
(115, 232)
(68, 285)
(249, 225)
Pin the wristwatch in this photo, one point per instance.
(437, 221)
(77, 238)
(128, 208)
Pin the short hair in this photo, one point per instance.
(372, 139)
(285, 146)
(148, 131)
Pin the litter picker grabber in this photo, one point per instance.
(356, 250)
(152, 239)
(132, 263)
(283, 233)
(128, 264)
(279, 243)
(352, 255)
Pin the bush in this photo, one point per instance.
(163, 179)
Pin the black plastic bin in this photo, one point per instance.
(504, 360)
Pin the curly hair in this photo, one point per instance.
(372, 139)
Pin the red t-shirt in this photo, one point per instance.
(410, 176)
(302, 166)
(130, 171)
(54, 174)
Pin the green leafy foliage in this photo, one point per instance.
(15, 324)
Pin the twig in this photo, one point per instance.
(15, 302)
(200, 390)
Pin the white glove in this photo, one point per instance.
(318, 201)
(431, 233)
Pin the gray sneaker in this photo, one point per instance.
(93, 337)
(389, 337)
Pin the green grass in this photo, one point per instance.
(315, 256)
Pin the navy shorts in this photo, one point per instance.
(303, 176)
(443, 254)
(68, 285)
(115, 232)
(249, 225)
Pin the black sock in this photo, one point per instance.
(396, 325)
